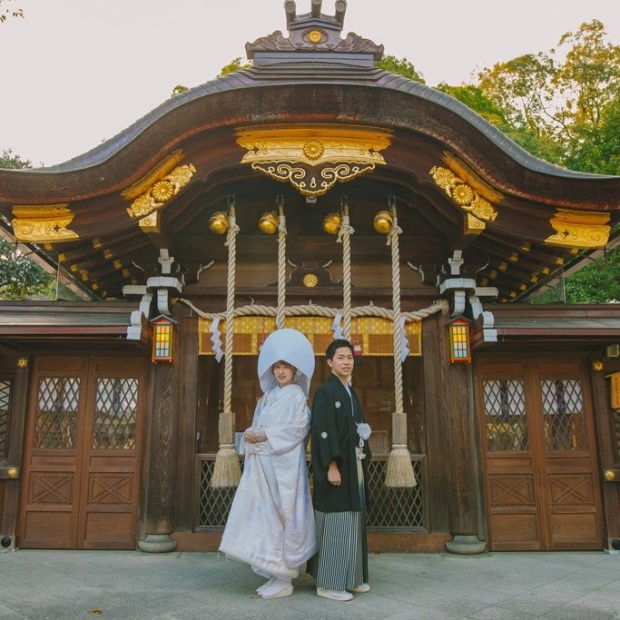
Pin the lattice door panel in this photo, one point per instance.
(540, 467)
(80, 479)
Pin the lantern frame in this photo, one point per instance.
(163, 339)
(459, 340)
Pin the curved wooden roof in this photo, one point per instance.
(458, 183)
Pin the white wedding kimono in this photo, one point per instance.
(271, 522)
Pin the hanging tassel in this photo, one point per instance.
(226, 471)
(399, 468)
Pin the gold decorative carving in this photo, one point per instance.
(150, 223)
(313, 159)
(580, 230)
(473, 226)
(310, 280)
(154, 175)
(39, 224)
(315, 36)
(22, 362)
(466, 197)
(162, 190)
(464, 172)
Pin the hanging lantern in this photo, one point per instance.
(331, 223)
(269, 223)
(459, 340)
(357, 353)
(163, 333)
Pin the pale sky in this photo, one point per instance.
(75, 73)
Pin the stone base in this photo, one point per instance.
(7, 544)
(613, 546)
(466, 545)
(157, 543)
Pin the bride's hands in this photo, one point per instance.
(252, 436)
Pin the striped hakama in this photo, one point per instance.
(341, 562)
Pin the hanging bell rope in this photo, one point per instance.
(399, 469)
(344, 237)
(226, 471)
(281, 313)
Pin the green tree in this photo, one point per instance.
(20, 277)
(234, 65)
(561, 105)
(400, 67)
(13, 162)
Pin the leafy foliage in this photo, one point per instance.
(20, 277)
(400, 67)
(234, 65)
(562, 106)
(13, 162)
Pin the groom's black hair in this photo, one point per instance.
(337, 344)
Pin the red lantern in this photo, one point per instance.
(459, 340)
(163, 333)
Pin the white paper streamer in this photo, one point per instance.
(404, 341)
(216, 338)
(336, 327)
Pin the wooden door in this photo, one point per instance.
(82, 454)
(539, 449)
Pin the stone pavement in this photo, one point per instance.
(132, 585)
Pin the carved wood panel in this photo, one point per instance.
(82, 454)
(539, 455)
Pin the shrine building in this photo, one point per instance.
(316, 191)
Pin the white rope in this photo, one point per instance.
(281, 267)
(440, 305)
(231, 242)
(398, 368)
(226, 469)
(344, 237)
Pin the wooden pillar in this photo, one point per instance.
(438, 468)
(159, 521)
(17, 421)
(608, 443)
(186, 471)
(463, 454)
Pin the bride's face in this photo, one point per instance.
(283, 372)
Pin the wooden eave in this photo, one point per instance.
(82, 322)
(592, 326)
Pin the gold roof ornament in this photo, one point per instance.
(158, 186)
(43, 223)
(313, 159)
(579, 230)
(465, 197)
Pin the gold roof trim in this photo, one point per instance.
(154, 175)
(579, 230)
(43, 223)
(464, 195)
(313, 159)
(462, 170)
(162, 190)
